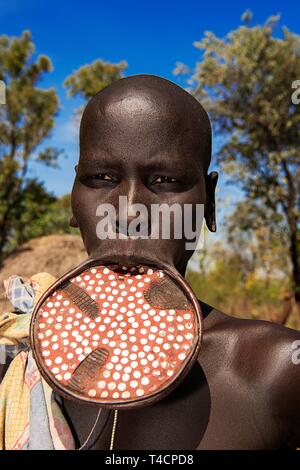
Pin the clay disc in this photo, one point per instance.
(115, 335)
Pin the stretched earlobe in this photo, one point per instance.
(210, 207)
(73, 222)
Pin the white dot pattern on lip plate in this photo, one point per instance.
(147, 345)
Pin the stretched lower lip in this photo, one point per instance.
(125, 260)
(122, 259)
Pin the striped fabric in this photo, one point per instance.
(30, 418)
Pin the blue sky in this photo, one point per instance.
(150, 35)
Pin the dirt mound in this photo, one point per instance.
(54, 254)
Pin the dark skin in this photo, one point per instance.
(146, 138)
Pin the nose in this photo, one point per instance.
(133, 210)
(132, 227)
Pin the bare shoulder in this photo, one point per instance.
(262, 354)
(251, 341)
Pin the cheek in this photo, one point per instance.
(84, 204)
(193, 208)
(197, 195)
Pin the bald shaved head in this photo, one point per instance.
(178, 112)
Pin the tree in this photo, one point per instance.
(26, 120)
(237, 280)
(39, 213)
(57, 217)
(91, 78)
(245, 82)
(28, 214)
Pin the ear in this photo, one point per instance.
(210, 208)
(73, 222)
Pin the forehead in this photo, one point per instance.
(139, 128)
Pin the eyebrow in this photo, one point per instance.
(156, 163)
(89, 160)
(153, 163)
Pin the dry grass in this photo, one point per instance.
(54, 254)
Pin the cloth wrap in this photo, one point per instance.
(30, 417)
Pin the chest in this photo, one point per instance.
(194, 416)
(176, 422)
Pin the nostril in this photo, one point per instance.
(132, 228)
(120, 226)
(143, 229)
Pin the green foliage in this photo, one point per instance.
(57, 217)
(91, 78)
(237, 285)
(245, 82)
(38, 213)
(27, 213)
(26, 120)
(28, 116)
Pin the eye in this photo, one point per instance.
(103, 177)
(98, 180)
(164, 179)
